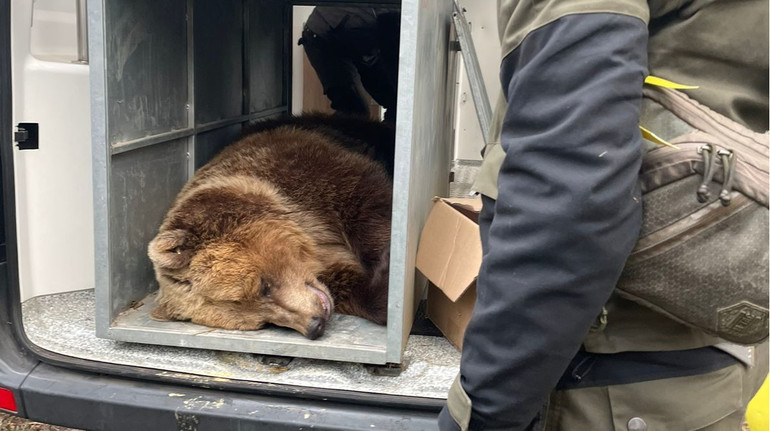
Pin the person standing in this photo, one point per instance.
(550, 345)
(351, 45)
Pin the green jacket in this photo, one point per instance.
(556, 237)
(703, 43)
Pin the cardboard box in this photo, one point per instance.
(449, 255)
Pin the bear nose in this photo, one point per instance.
(316, 327)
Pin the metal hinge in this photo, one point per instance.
(387, 370)
(26, 136)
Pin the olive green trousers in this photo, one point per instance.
(714, 401)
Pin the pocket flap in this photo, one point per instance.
(683, 403)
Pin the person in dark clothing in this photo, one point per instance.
(351, 45)
(550, 345)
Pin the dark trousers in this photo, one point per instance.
(345, 61)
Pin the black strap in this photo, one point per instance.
(593, 369)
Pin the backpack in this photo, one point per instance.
(702, 255)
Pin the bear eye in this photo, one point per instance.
(265, 288)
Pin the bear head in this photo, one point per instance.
(242, 272)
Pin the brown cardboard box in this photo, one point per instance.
(449, 255)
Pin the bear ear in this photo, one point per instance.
(172, 249)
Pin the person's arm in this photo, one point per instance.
(567, 214)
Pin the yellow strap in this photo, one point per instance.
(660, 82)
(646, 134)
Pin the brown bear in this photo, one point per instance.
(282, 227)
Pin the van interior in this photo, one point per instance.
(56, 228)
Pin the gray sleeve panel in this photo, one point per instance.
(568, 211)
(518, 18)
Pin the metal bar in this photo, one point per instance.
(135, 144)
(101, 167)
(453, 74)
(246, 57)
(230, 342)
(355, 3)
(82, 24)
(349, 338)
(190, 89)
(122, 147)
(288, 45)
(255, 116)
(472, 68)
(422, 154)
(399, 281)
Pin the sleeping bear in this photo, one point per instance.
(282, 227)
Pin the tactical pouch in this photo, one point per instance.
(702, 255)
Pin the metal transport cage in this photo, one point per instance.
(172, 82)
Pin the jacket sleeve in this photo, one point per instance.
(566, 217)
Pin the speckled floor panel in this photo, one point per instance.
(464, 175)
(64, 323)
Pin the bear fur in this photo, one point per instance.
(371, 138)
(282, 227)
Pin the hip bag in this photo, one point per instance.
(702, 255)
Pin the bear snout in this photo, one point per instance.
(316, 327)
(324, 299)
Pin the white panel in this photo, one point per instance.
(300, 14)
(482, 17)
(54, 30)
(53, 184)
(423, 141)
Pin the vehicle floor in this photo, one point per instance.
(64, 323)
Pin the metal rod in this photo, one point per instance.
(146, 141)
(122, 147)
(218, 124)
(190, 88)
(82, 23)
(473, 70)
(246, 58)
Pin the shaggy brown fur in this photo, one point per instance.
(374, 139)
(280, 228)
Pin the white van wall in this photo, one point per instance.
(299, 17)
(54, 30)
(54, 210)
(482, 17)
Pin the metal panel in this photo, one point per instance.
(433, 361)
(136, 184)
(422, 152)
(218, 45)
(143, 184)
(265, 54)
(347, 338)
(209, 144)
(211, 139)
(146, 67)
(100, 157)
